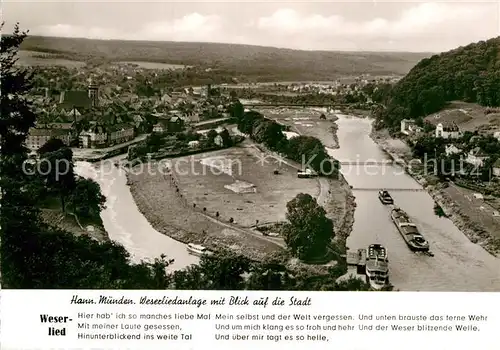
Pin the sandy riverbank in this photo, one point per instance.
(458, 214)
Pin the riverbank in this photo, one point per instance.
(71, 223)
(457, 211)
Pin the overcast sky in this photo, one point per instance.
(310, 25)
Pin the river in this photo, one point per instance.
(123, 221)
(457, 264)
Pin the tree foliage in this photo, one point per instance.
(87, 199)
(52, 145)
(470, 74)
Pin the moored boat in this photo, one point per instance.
(409, 231)
(377, 266)
(197, 249)
(385, 197)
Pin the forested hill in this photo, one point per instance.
(256, 62)
(470, 73)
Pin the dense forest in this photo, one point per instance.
(470, 73)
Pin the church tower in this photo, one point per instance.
(93, 94)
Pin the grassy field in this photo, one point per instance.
(468, 116)
(261, 63)
(248, 192)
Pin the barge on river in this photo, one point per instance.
(414, 240)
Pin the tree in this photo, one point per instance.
(19, 217)
(248, 122)
(308, 232)
(86, 199)
(211, 135)
(226, 138)
(59, 172)
(270, 275)
(222, 271)
(268, 132)
(236, 110)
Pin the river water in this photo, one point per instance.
(123, 221)
(457, 264)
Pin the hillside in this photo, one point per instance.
(469, 74)
(256, 62)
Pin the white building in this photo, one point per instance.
(447, 131)
(496, 168)
(497, 135)
(476, 157)
(409, 126)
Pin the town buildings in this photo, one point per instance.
(169, 124)
(37, 137)
(99, 136)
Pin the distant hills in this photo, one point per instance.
(254, 62)
(470, 73)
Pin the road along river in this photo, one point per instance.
(457, 264)
(123, 221)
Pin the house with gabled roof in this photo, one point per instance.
(447, 130)
(37, 137)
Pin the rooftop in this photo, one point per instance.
(75, 99)
(47, 132)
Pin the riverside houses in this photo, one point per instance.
(99, 136)
(37, 137)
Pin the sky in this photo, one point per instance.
(364, 25)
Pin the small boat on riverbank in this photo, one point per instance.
(385, 197)
(377, 266)
(197, 249)
(409, 231)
